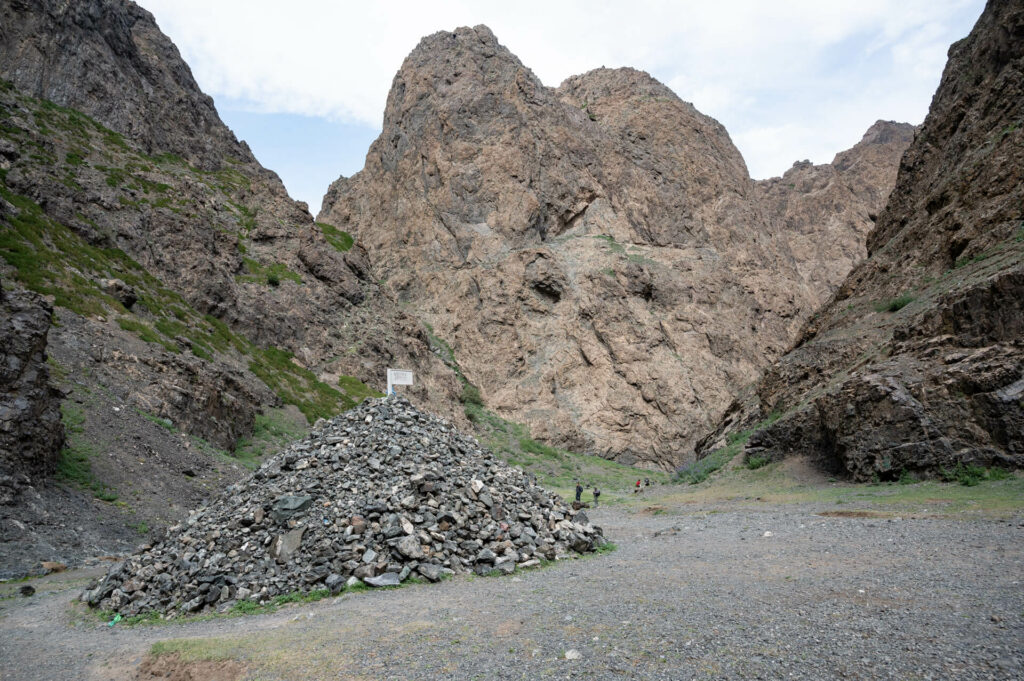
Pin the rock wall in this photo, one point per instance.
(109, 59)
(130, 155)
(916, 365)
(31, 433)
(597, 255)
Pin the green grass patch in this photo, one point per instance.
(272, 274)
(970, 475)
(356, 390)
(297, 385)
(613, 245)
(273, 430)
(166, 424)
(755, 462)
(73, 462)
(471, 395)
(895, 304)
(196, 649)
(340, 240)
(146, 333)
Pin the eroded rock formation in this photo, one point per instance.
(916, 365)
(31, 433)
(597, 255)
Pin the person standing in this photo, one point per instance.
(597, 495)
(579, 491)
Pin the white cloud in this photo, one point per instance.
(796, 79)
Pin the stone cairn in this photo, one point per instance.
(375, 495)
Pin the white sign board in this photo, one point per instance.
(398, 377)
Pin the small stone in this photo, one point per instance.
(286, 545)
(430, 571)
(506, 566)
(27, 590)
(573, 654)
(409, 547)
(334, 582)
(386, 579)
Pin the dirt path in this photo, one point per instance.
(715, 597)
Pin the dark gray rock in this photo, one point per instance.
(430, 571)
(289, 505)
(335, 583)
(382, 525)
(31, 433)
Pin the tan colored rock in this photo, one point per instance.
(597, 255)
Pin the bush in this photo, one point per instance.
(895, 304)
(755, 462)
(471, 395)
(967, 475)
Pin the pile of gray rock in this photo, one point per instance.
(376, 495)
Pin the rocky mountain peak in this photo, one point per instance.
(108, 59)
(465, 70)
(603, 242)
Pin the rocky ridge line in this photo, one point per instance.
(597, 255)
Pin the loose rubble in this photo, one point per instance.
(376, 495)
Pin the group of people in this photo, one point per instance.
(579, 493)
(640, 484)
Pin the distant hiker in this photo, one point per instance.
(637, 486)
(647, 482)
(597, 495)
(579, 490)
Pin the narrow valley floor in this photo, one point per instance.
(696, 590)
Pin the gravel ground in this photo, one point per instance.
(703, 594)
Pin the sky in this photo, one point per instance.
(305, 82)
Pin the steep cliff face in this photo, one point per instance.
(31, 433)
(597, 255)
(150, 170)
(192, 294)
(917, 363)
(109, 59)
(825, 212)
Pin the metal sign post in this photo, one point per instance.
(398, 377)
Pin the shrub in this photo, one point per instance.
(967, 475)
(755, 462)
(895, 304)
(471, 395)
